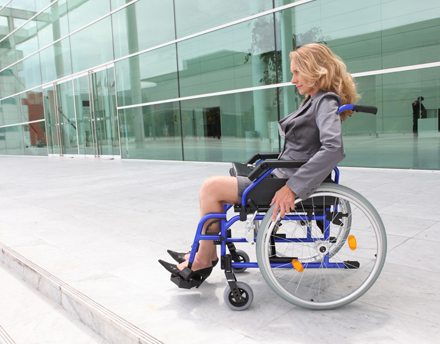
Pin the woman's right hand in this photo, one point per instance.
(284, 201)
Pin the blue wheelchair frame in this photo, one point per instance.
(226, 224)
(262, 170)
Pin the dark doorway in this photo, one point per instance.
(212, 122)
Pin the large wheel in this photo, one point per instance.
(327, 252)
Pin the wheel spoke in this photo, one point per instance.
(316, 233)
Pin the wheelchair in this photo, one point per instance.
(324, 254)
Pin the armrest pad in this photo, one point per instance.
(264, 166)
(260, 156)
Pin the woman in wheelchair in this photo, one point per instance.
(313, 133)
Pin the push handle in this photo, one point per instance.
(358, 108)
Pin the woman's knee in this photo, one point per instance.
(220, 188)
(209, 187)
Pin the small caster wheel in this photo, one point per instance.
(243, 258)
(247, 296)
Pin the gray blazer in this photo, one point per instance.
(313, 132)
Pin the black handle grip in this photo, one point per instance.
(264, 166)
(365, 108)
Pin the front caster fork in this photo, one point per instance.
(230, 277)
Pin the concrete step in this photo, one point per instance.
(107, 326)
(28, 317)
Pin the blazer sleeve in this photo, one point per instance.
(309, 176)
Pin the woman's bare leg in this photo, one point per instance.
(215, 192)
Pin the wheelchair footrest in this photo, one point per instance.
(186, 284)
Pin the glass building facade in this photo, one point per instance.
(208, 80)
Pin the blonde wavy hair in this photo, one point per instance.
(320, 67)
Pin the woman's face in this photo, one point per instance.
(300, 82)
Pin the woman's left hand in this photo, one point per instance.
(284, 200)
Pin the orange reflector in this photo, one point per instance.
(352, 242)
(297, 265)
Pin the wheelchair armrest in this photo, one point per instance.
(264, 166)
(260, 156)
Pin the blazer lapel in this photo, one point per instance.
(282, 125)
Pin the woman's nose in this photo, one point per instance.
(294, 80)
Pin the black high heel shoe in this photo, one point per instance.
(186, 278)
(180, 257)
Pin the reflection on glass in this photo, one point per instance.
(14, 140)
(27, 5)
(148, 77)
(230, 127)
(52, 23)
(406, 35)
(7, 52)
(26, 40)
(8, 81)
(28, 75)
(66, 118)
(52, 133)
(198, 15)
(130, 26)
(387, 139)
(236, 57)
(40, 4)
(151, 132)
(82, 12)
(34, 139)
(31, 104)
(104, 111)
(55, 61)
(3, 150)
(11, 110)
(83, 115)
(92, 46)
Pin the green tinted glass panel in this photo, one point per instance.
(104, 109)
(198, 15)
(26, 40)
(236, 57)
(83, 115)
(92, 46)
(66, 118)
(31, 103)
(11, 110)
(35, 139)
(26, 5)
(130, 26)
(7, 52)
(279, 3)
(52, 23)
(151, 132)
(398, 136)
(14, 139)
(52, 133)
(55, 61)
(3, 141)
(29, 74)
(230, 127)
(148, 77)
(40, 4)
(115, 4)
(407, 33)
(82, 12)
(8, 81)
